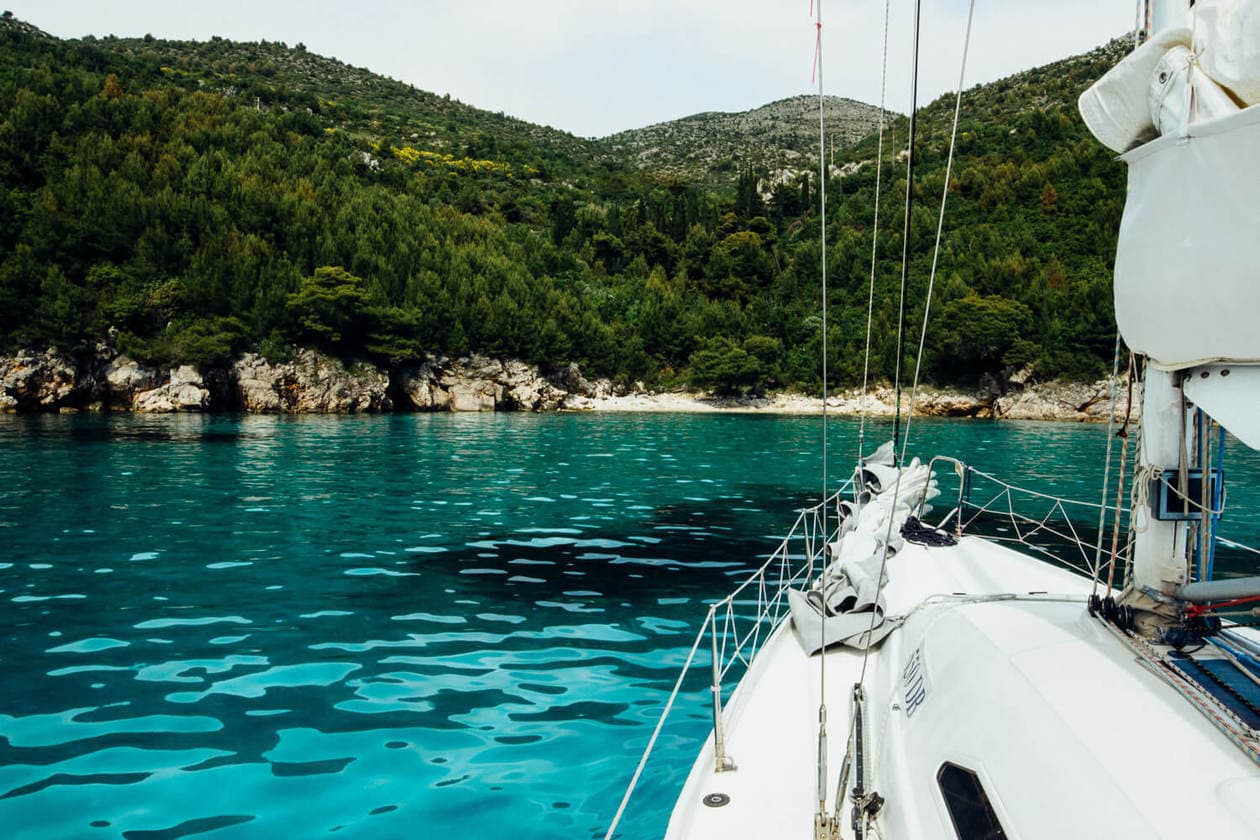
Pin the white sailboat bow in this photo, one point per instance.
(908, 681)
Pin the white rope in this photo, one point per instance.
(940, 224)
(1138, 514)
(870, 301)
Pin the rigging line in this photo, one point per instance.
(940, 225)
(870, 302)
(1106, 482)
(1205, 483)
(1231, 544)
(905, 234)
(816, 7)
(660, 724)
(883, 563)
(1220, 459)
(1124, 457)
(892, 508)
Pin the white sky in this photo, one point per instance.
(594, 67)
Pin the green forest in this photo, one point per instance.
(199, 200)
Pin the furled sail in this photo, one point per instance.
(845, 605)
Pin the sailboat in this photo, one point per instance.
(902, 679)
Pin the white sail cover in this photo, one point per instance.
(1187, 279)
(1229, 394)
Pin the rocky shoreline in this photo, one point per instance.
(313, 383)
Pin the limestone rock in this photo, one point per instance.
(185, 390)
(422, 390)
(35, 380)
(576, 402)
(570, 379)
(311, 382)
(473, 383)
(952, 404)
(478, 383)
(472, 395)
(123, 379)
(1065, 401)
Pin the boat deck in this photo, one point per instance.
(1067, 732)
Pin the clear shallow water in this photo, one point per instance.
(401, 626)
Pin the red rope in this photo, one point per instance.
(817, 46)
(1199, 609)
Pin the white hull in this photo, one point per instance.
(1070, 735)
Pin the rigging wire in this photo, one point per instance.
(940, 225)
(822, 221)
(905, 233)
(953, 136)
(870, 301)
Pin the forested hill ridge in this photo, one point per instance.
(269, 74)
(779, 140)
(194, 202)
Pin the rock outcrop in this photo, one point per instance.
(479, 383)
(1077, 401)
(184, 390)
(929, 401)
(122, 379)
(35, 381)
(310, 383)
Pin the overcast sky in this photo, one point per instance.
(594, 67)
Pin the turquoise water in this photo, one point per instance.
(402, 626)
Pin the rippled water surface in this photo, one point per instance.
(419, 626)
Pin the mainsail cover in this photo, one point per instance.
(1187, 286)
(1187, 281)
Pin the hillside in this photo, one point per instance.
(271, 74)
(196, 201)
(712, 147)
(1034, 207)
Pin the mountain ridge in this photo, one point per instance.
(777, 136)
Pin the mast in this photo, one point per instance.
(1159, 547)
(1160, 557)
